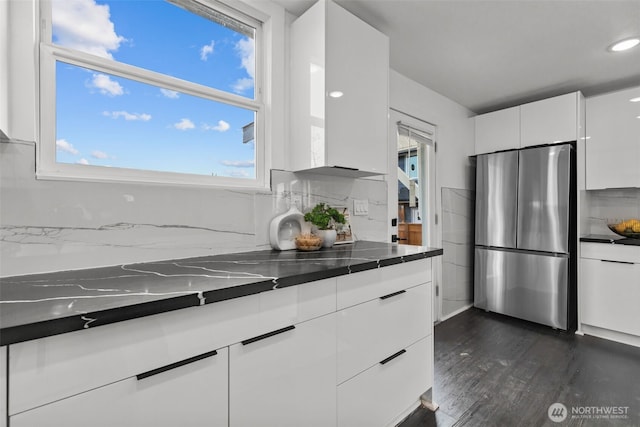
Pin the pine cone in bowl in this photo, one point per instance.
(308, 242)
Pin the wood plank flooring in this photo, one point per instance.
(493, 370)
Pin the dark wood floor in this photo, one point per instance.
(492, 370)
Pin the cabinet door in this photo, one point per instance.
(285, 378)
(610, 295)
(194, 394)
(357, 64)
(499, 130)
(3, 386)
(549, 121)
(613, 144)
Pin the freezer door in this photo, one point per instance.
(496, 199)
(543, 199)
(524, 285)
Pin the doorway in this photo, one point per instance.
(413, 199)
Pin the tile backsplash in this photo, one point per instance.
(59, 225)
(602, 205)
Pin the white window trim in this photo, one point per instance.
(48, 168)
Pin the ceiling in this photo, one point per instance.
(491, 54)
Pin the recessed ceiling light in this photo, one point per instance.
(335, 94)
(636, 99)
(624, 44)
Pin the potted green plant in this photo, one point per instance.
(324, 218)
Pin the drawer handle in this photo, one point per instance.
(393, 294)
(617, 262)
(393, 356)
(175, 365)
(267, 335)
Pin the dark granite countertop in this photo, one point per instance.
(40, 305)
(610, 238)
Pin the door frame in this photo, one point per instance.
(431, 223)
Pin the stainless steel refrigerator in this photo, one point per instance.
(525, 234)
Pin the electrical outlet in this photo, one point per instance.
(361, 207)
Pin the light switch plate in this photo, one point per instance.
(360, 207)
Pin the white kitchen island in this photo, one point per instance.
(342, 337)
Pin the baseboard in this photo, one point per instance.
(458, 311)
(608, 334)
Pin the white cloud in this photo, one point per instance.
(242, 85)
(172, 94)
(63, 145)
(245, 48)
(99, 154)
(83, 162)
(207, 50)
(238, 174)
(239, 163)
(86, 26)
(127, 116)
(105, 85)
(222, 126)
(184, 124)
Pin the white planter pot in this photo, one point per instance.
(328, 237)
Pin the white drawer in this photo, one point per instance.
(369, 332)
(56, 367)
(183, 396)
(381, 393)
(611, 252)
(367, 285)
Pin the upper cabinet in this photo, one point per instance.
(550, 120)
(499, 130)
(339, 93)
(613, 140)
(547, 121)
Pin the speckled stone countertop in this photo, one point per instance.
(40, 305)
(618, 240)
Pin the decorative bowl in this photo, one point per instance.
(308, 242)
(625, 228)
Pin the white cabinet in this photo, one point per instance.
(550, 120)
(287, 375)
(334, 51)
(3, 386)
(613, 140)
(194, 393)
(610, 291)
(384, 343)
(498, 130)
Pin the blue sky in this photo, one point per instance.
(106, 120)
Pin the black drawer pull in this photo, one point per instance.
(617, 262)
(393, 356)
(267, 335)
(175, 365)
(393, 294)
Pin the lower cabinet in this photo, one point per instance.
(389, 388)
(285, 378)
(193, 393)
(610, 291)
(3, 386)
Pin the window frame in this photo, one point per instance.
(48, 168)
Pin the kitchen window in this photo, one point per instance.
(151, 91)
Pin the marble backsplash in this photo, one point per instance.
(603, 205)
(458, 213)
(50, 225)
